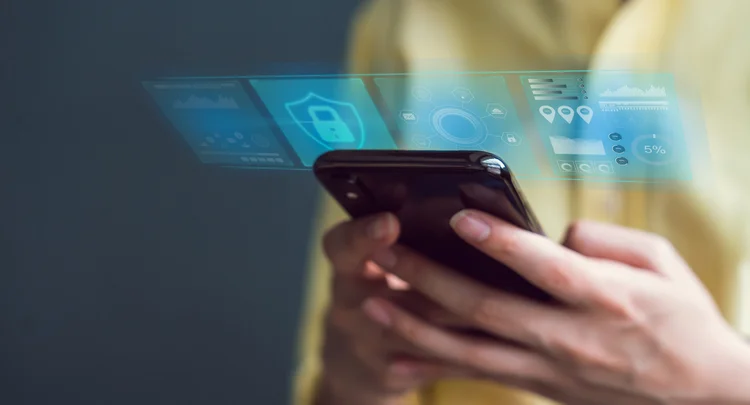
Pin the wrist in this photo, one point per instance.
(738, 378)
(730, 383)
(333, 390)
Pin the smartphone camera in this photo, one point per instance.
(351, 189)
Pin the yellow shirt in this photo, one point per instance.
(702, 43)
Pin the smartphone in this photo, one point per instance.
(424, 189)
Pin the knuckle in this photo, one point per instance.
(617, 307)
(507, 243)
(537, 338)
(584, 357)
(576, 229)
(441, 317)
(580, 233)
(661, 246)
(412, 331)
(475, 356)
(552, 344)
(576, 354)
(558, 277)
(484, 310)
(596, 363)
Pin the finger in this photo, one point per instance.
(625, 245)
(370, 342)
(427, 370)
(501, 313)
(563, 273)
(558, 394)
(349, 244)
(373, 272)
(350, 291)
(369, 367)
(404, 374)
(483, 356)
(396, 283)
(425, 308)
(352, 323)
(584, 394)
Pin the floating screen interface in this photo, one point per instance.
(603, 126)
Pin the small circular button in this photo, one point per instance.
(615, 136)
(621, 161)
(618, 148)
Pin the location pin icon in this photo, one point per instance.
(547, 112)
(586, 113)
(567, 113)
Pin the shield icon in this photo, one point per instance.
(333, 124)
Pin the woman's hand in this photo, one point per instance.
(636, 327)
(364, 363)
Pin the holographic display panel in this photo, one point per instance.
(219, 122)
(318, 115)
(585, 125)
(618, 125)
(458, 112)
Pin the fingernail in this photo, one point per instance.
(379, 227)
(377, 312)
(385, 258)
(469, 227)
(396, 283)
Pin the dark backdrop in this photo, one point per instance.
(129, 272)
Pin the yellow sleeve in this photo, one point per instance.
(373, 43)
(368, 51)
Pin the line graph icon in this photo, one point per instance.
(635, 92)
(206, 103)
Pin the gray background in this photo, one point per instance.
(129, 272)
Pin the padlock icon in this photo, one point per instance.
(511, 138)
(329, 125)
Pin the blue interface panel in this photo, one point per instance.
(610, 125)
(458, 112)
(593, 125)
(319, 115)
(219, 122)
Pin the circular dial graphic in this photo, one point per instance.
(653, 150)
(458, 126)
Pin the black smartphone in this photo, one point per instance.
(424, 189)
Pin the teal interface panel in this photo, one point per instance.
(619, 125)
(318, 115)
(459, 112)
(220, 123)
